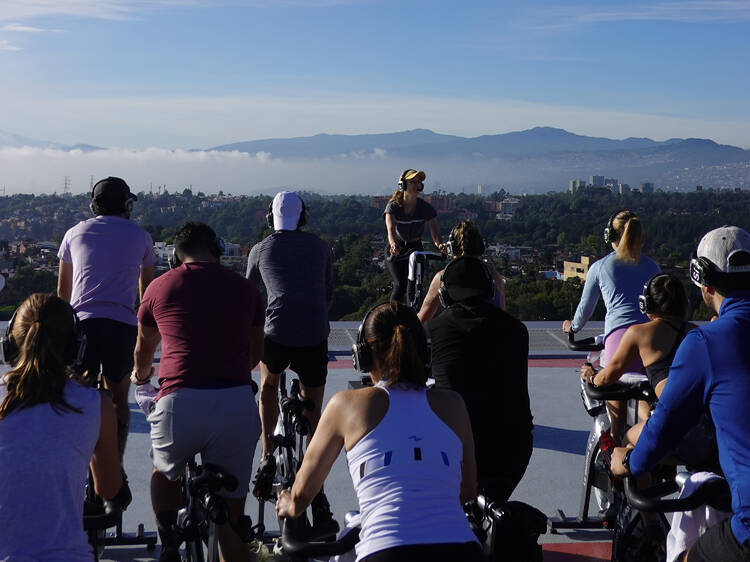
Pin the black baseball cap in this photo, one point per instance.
(466, 278)
(112, 193)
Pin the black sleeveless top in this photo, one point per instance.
(659, 369)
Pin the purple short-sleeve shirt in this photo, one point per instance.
(107, 253)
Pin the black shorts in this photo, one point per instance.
(441, 552)
(309, 362)
(109, 348)
(719, 543)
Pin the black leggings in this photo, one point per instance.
(398, 267)
(443, 552)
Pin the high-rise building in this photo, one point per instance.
(576, 185)
(596, 181)
(647, 187)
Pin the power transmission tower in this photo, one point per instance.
(66, 185)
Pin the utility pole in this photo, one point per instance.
(91, 184)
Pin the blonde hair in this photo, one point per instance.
(398, 197)
(44, 332)
(468, 239)
(630, 236)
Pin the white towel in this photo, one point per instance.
(687, 526)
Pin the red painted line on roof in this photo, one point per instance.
(557, 362)
(577, 551)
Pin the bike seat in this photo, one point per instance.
(96, 516)
(213, 478)
(298, 540)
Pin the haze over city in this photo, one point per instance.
(153, 79)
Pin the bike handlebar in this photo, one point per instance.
(585, 344)
(295, 543)
(713, 491)
(640, 390)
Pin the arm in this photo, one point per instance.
(435, 234)
(105, 462)
(323, 450)
(589, 298)
(329, 277)
(253, 271)
(624, 354)
(256, 345)
(499, 284)
(390, 227)
(145, 347)
(147, 275)
(431, 301)
(65, 281)
(469, 463)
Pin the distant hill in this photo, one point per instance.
(18, 141)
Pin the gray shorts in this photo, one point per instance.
(220, 424)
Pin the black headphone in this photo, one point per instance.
(73, 354)
(452, 245)
(444, 291)
(646, 303)
(128, 205)
(610, 234)
(402, 181)
(302, 216)
(217, 249)
(362, 352)
(702, 271)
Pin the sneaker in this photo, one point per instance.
(263, 482)
(321, 510)
(123, 498)
(169, 554)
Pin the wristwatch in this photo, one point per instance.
(626, 459)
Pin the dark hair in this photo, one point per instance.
(669, 296)
(44, 330)
(194, 238)
(469, 240)
(725, 283)
(99, 208)
(398, 343)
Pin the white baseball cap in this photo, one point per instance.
(286, 208)
(722, 246)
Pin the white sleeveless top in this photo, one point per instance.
(407, 476)
(44, 458)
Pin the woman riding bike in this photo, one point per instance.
(52, 428)
(664, 301)
(619, 278)
(409, 450)
(405, 216)
(464, 240)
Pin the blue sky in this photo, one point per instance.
(194, 73)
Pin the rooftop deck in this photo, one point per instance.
(552, 480)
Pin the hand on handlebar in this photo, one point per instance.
(616, 465)
(394, 249)
(284, 504)
(588, 373)
(567, 326)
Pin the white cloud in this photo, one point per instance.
(21, 28)
(96, 9)
(6, 45)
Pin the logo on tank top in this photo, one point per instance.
(415, 438)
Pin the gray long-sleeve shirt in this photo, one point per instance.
(297, 270)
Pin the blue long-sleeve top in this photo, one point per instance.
(710, 373)
(619, 282)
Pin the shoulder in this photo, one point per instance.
(353, 402)
(392, 207)
(445, 398)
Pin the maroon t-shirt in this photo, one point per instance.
(204, 313)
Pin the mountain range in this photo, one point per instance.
(537, 159)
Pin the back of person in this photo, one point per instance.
(295, 267)
(481, 352)
(203, 346)
(44, 460)
(620, 283)
(107, 253)
(401, 470)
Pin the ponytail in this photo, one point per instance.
(469, 240)
(630, 236)
(397, 197)
(399, 344)
(44, 328)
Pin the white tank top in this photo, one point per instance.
(44, 458)
(407, 476)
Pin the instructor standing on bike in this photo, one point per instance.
(209, 320)
(710, 374)
(296, 269)
(104, 262)
(405, 216)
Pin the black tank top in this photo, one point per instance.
(659, 369)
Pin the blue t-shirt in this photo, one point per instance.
(711, 374)
(619, 282)
(296, 268)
